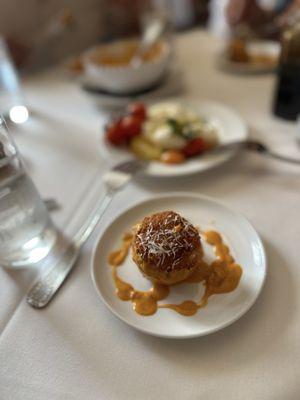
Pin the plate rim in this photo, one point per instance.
(172, 194)
(106, 151)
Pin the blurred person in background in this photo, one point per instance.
(256, 12)
(227, 15)
(47, 30)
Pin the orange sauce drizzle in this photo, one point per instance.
(144, 303)
(221, 276)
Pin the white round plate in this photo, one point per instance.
(221, 310)
(230, 127)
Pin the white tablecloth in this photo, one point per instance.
(76, 349)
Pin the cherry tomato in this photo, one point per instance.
(137, 110)
(131, 126)
(194, 147)
(115, 133)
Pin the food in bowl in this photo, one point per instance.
(121, 54)
(75, 65)
(109, 66)
(166, 132)
(258, 53)
(166, 248)
(237, 51)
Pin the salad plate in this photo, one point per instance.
(215, 123)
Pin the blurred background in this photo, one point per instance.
(252, 34)
(47, 30)
(83, 24)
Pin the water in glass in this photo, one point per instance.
(27, 233)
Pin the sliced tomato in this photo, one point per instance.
(194, 147)
(137, 110)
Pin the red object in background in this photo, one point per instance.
(131, 126)
(114, 133)
(127, 127)
(194, 147)
(138, 110)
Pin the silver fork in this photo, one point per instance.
(46, 286)
(253, 145)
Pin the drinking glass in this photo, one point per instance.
(11, 98)
(27, 233)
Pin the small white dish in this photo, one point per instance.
(256, 48)
(221, 310)
(264, 48)
(229, 125)
(127, 78)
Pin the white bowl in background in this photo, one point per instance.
(126, 79)
(259, 49)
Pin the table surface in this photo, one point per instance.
(76, 348)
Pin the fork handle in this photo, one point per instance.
(256, 146)
(87, 229)
(280, 157)
(45, 288)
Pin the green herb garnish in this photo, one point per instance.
(183, 130)
(175, 126)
